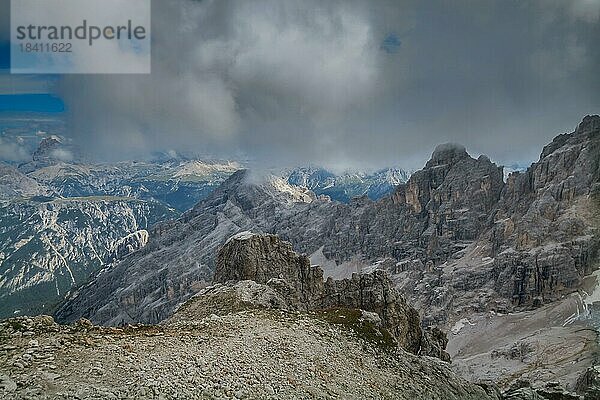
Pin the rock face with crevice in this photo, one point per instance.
(545, 234)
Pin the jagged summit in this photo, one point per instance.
(261, 270)
(448, 153)
(251, 256)
(590, 123)
(587, 128)
(50, 149)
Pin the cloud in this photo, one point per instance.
(62, 155)
(12, 151)
(588, 10)
(347, 83)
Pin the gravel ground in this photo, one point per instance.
(248, 355)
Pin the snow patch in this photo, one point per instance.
(594, 297)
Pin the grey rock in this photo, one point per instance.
(127, 245)
(7, 384)
(49, 247)
(272, 264)
(253, 354)
(588, 384)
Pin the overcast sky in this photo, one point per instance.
(346, 84)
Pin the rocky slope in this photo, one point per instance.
(256, 354)
(271, 329)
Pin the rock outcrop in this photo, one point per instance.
(522, 390)
(588, 384)
(263, 270)
(127, 245)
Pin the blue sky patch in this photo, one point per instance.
(391, 44)
(42, 103)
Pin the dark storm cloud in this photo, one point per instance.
(348, 83)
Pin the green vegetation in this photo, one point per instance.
(352, 320)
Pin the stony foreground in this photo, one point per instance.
(252, 354)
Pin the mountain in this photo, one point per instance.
(14, 184)
(62, 220)
(50, 245)
(177, 183)
(186, 247)
(348, 185)
(462, 245)
(52, 150)
(179, 259)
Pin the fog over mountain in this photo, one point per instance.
(344, 84)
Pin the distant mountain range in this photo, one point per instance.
(62, 219)
(343, 187)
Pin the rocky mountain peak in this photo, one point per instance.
(46, 149)
(248, 256)
(452, 181)
(590, 123)
(287, 280)
(568, 141)
(447, 154)
(51, 151)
